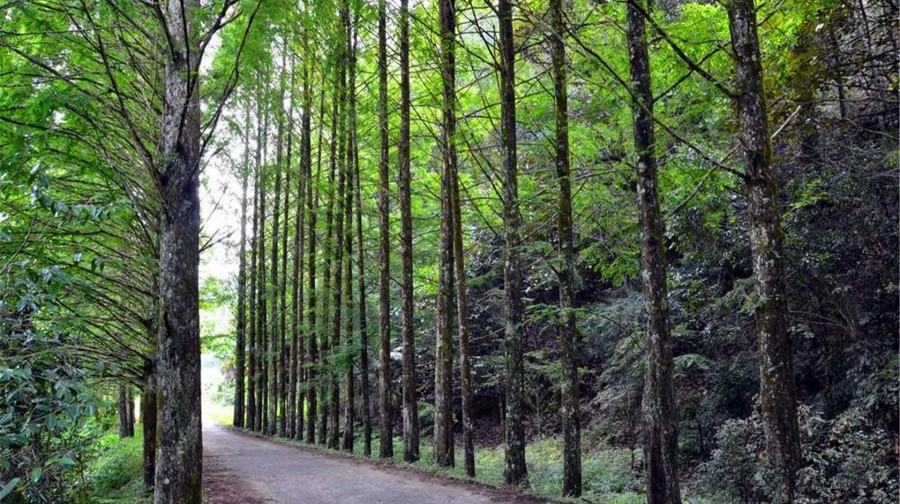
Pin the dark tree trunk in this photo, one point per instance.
(777, 390)
(660, 415)
(311, 208)
(328, 329)
(443, 366)
(275, 369)
(180, 454)
(296, 355)
(148, 418)
(386, 445)
(361, 279)
(261, 319)
(410, 402)
(253, 382)
(567, 340)
(515, 471)
(124, 418)
(352, 158)
(240, 340)
(285, 424)
(337, 287)
(462, 324)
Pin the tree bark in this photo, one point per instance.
(567, 340)
(660, 414)
(777, 390)
(443, 366)
(410, 402)
(515, 471)
(124, 417)
(462, 324)
(148, 419)
(262, 413)
(252, 418)
(311, 208)
(386, 445)
(240, 340)
(275, 336)
(180, 453)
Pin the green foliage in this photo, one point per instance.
(115, 476)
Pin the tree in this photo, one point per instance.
(240, 339)
(567, 340)
(443, 367)
(410, 402)
(515, 471)
(777, 391)
(179, 459)
(660, 416)
(386, 444)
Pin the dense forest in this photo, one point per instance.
(625, 251)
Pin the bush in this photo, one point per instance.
(847, 460)
(115, 476)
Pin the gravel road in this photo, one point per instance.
(244, 469)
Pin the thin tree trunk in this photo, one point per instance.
(148, 419)
(660, 414)
(337, 288)
(275, 368)
(295, 367)
(443, 366)
(569, 396)
(386, 444)
(777, 390)
(123, 412)
(311, 208)
(263, 326)
(328, 329)
(360, 275)
(240, 343)
(408, 335)
(252, 418)
(180, 453)
(515, 471)
(286, 423)
(465, 383)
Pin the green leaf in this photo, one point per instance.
(6, 490)
(36, 474)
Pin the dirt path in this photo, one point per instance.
(248, 470)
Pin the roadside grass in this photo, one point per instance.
(115, 476)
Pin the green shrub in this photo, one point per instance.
(115, 476)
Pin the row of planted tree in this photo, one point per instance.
(303, 333)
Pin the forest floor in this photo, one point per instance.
(246, 469)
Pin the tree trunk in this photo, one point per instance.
(777, 390)
(567, 340)
(240, 340)
(386, 445)
(361, 278)
(410, 402)
(328, 329)
(660, 415)
(275, 369)
(148, 418)
(462, 324)
(262, 413)
(124, 418)
(515, 471)
(252, 370)
(337, 288)
(180, 455)
(443, 366)
(285, 425)
(295, 421)
(311, 208)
